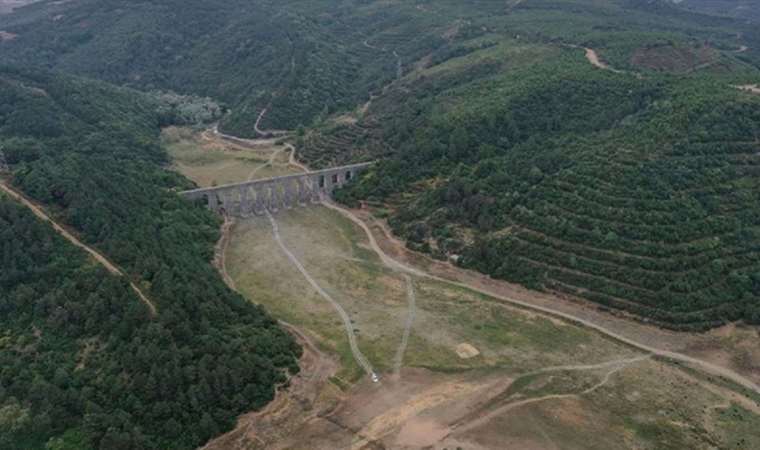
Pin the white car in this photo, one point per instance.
(375, 378)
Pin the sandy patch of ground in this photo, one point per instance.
(754, 88)
(466, 351)
(6, 36)
(420, 433)
(594, 59)
(7, 6)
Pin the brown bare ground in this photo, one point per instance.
(6, 36)
(674, 59)
(594, 59)
(754, 88)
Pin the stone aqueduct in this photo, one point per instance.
(274, 194)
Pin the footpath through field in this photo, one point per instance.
(358, 355)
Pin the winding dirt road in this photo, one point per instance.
(293, 161)
(266, 132)
(358, 355)
(705, 366)
(102, 260)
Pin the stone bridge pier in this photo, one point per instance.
(275, 194)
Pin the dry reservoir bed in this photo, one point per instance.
(457, 369)
(476, 373)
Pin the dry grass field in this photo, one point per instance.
(458, 369)
(535, 382)
(209, 160)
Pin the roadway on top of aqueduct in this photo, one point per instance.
(273, 194)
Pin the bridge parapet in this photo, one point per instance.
(274, 194)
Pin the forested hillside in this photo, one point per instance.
(634, 187)
(639, 194)
(84, 363)
(462, 94)
(632, 184)
(304, 59)
(739, 9)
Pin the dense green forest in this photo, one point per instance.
(307, 59)
(304, 59)
(83, 363)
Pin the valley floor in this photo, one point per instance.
(458, 367)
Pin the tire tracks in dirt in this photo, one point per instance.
(615, 366)
(412, 302)
(39, 211)
(350, 334)
(704, 366)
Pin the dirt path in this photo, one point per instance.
(266, 132)
(614, 366)
(754, 88)
(358, 355)
(269, 163)
(40, 213)
(293, 161)
(220, 258)
(258, 121)
(705, 366)
(399, 66)
(412, 299)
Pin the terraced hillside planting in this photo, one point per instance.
(636, 192)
